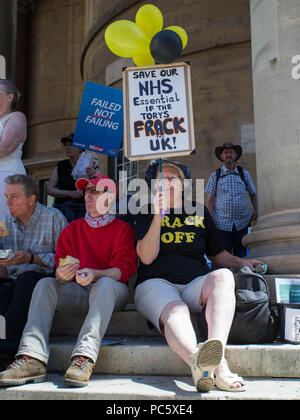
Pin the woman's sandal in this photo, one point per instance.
(204, 363)
(224, 380)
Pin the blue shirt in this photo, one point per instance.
(39, 237)
(231, 205)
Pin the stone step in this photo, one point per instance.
(125, 323)
(152, 388)
(151, 356)
(128, 322)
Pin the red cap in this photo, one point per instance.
(82, 182)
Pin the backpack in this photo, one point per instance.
(254, 321)
(241, 174)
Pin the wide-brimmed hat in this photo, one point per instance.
(228, 145)
(151, 172)
(69, 138)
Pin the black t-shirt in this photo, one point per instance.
(184, 241)
(66, 182)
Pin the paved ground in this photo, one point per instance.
(150, 388)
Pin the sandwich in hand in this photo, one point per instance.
(67, 261)
(3, 230)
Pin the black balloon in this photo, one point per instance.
(166, 46)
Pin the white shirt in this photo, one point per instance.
(13, 162)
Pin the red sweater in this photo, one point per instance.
(110, 246)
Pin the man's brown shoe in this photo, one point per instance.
(79, 373)
(24, 370)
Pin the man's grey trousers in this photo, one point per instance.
(98, 300)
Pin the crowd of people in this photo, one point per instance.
(85, 266)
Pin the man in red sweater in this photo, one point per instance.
(95, 282)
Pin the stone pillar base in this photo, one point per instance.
(276, 241)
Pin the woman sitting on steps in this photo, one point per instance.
(173, 279)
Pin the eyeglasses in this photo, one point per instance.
(3, 91)
(95, 191)
(92, 191)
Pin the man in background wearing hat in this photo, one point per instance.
(94, 282)
(227, 199)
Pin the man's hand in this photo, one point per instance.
(85, 277)
(254, 215)
(21, 257)
(67, 273)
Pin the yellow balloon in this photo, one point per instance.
(181, 32)
(144, 59)
(150, 19)
(125, 39)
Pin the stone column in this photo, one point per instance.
(8, 34)
(275, 26)
(25, 10)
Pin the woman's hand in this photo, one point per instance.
(90, 172)
(76, 194)
(250, 263)
(160, 202)
(225, 259)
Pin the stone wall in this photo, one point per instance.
(66, 47)
(219, 50)
(54, 83)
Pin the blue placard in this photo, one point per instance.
(100, 122)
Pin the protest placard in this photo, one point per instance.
(158, 112)
(100, 122)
